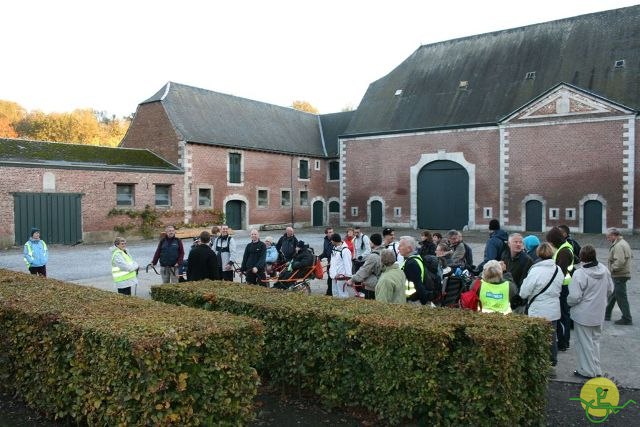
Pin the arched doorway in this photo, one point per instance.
(318, 213)
(376, 213)
(234, 212)
(443, 196)
(533, 215)
(592, 217)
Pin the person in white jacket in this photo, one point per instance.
(588, 293)
(543, 302)
(340, 266)
(123, 268)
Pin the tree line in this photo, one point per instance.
(81, 126)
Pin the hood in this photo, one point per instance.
(596, 272)
(500, 234)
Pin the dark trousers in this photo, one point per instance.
(554, 344)
(329, 283)
(369, 294)
(254, 278)
(564, 324)
(227, 275)
(40, 271)
(619, 296)
(125, 291)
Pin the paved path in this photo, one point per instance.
(620, 345)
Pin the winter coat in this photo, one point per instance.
(272, 255)
(169, 252)
(494, 246)
(547, 304)
(225, 250)
(202, 264)
(255, 255)
(340, 261)
(588, 293)
(303, 259)
(118, 260)
(39, 253)
(390, 287)
(370, 270)
(518, 266)
(287, 245)
(620, 258)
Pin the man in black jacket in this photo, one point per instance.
(287, 244)
(202, 262)
(420, 287)
(298, 266)
(170, 253)
(254, 259)
(326, 253)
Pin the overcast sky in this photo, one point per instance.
(112, 55)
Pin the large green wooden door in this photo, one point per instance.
(233, 214)
(593, 217)
(318, 213)
(533, 215)
(376, 213)
(57, 215)
(443, 196)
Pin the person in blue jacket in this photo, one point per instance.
(36, 254)
(496, 244)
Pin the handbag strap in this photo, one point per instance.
(555, 273)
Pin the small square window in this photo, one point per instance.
(204, 198)
(263, 198)
(304, 198)
(163, 195)
(317, 165)
(124, 195)
(397, 212)
(354, 211)
(554, 213)
(619, 63)
(285, 198)
(487, 213)
(463, 85)
(570, 213)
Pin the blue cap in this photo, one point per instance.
(34, 230)
(531, 242)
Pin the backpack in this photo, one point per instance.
(470, 300)
(433, 269)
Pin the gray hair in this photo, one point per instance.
(387, 257)
(614, 231)
(492, 271)
(409, 241)
(453, 233)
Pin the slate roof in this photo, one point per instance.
(580, 51)
(206, 117)
(21, 152)
(334, 125)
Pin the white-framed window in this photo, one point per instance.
(570, 214)
(334, 207)
(334, 170)
(554, 213)
(263, 197)
(304, 198)
(205, 198)
(397, 212)
(285, 197)
(163, 195)
(317, 165)
(354, 211)
(235, 168)
(487, 213)
(303, 169)
(125, 195)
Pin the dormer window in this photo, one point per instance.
(463, 85)
(619, 63)
(398, 92)
(531, 75)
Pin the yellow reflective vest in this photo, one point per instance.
(567, 277)
(495, 297)
(120, 275)
(410, 288)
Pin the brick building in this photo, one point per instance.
(69, 190)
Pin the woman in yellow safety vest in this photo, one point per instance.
(123, 268)
(495, 292)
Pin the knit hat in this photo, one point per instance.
(33, 231)
(494, 225)
(531, 242)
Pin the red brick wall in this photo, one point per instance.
(381, 167)
(151, 129)
(99, 194)
(261, 171)
(564, 163)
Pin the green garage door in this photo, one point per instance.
(57, 215)
(443, 196)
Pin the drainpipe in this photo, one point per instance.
(291, 175)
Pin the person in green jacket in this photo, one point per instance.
(390, 286)
(620, 268)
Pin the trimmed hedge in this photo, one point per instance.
(398, 361)
(106, 359)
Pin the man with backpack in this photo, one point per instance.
(388, 236)
(496, 244)
(420, 285)
(371, 269)
(362, 248)
(340, 266)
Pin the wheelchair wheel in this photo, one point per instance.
(302, 287)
